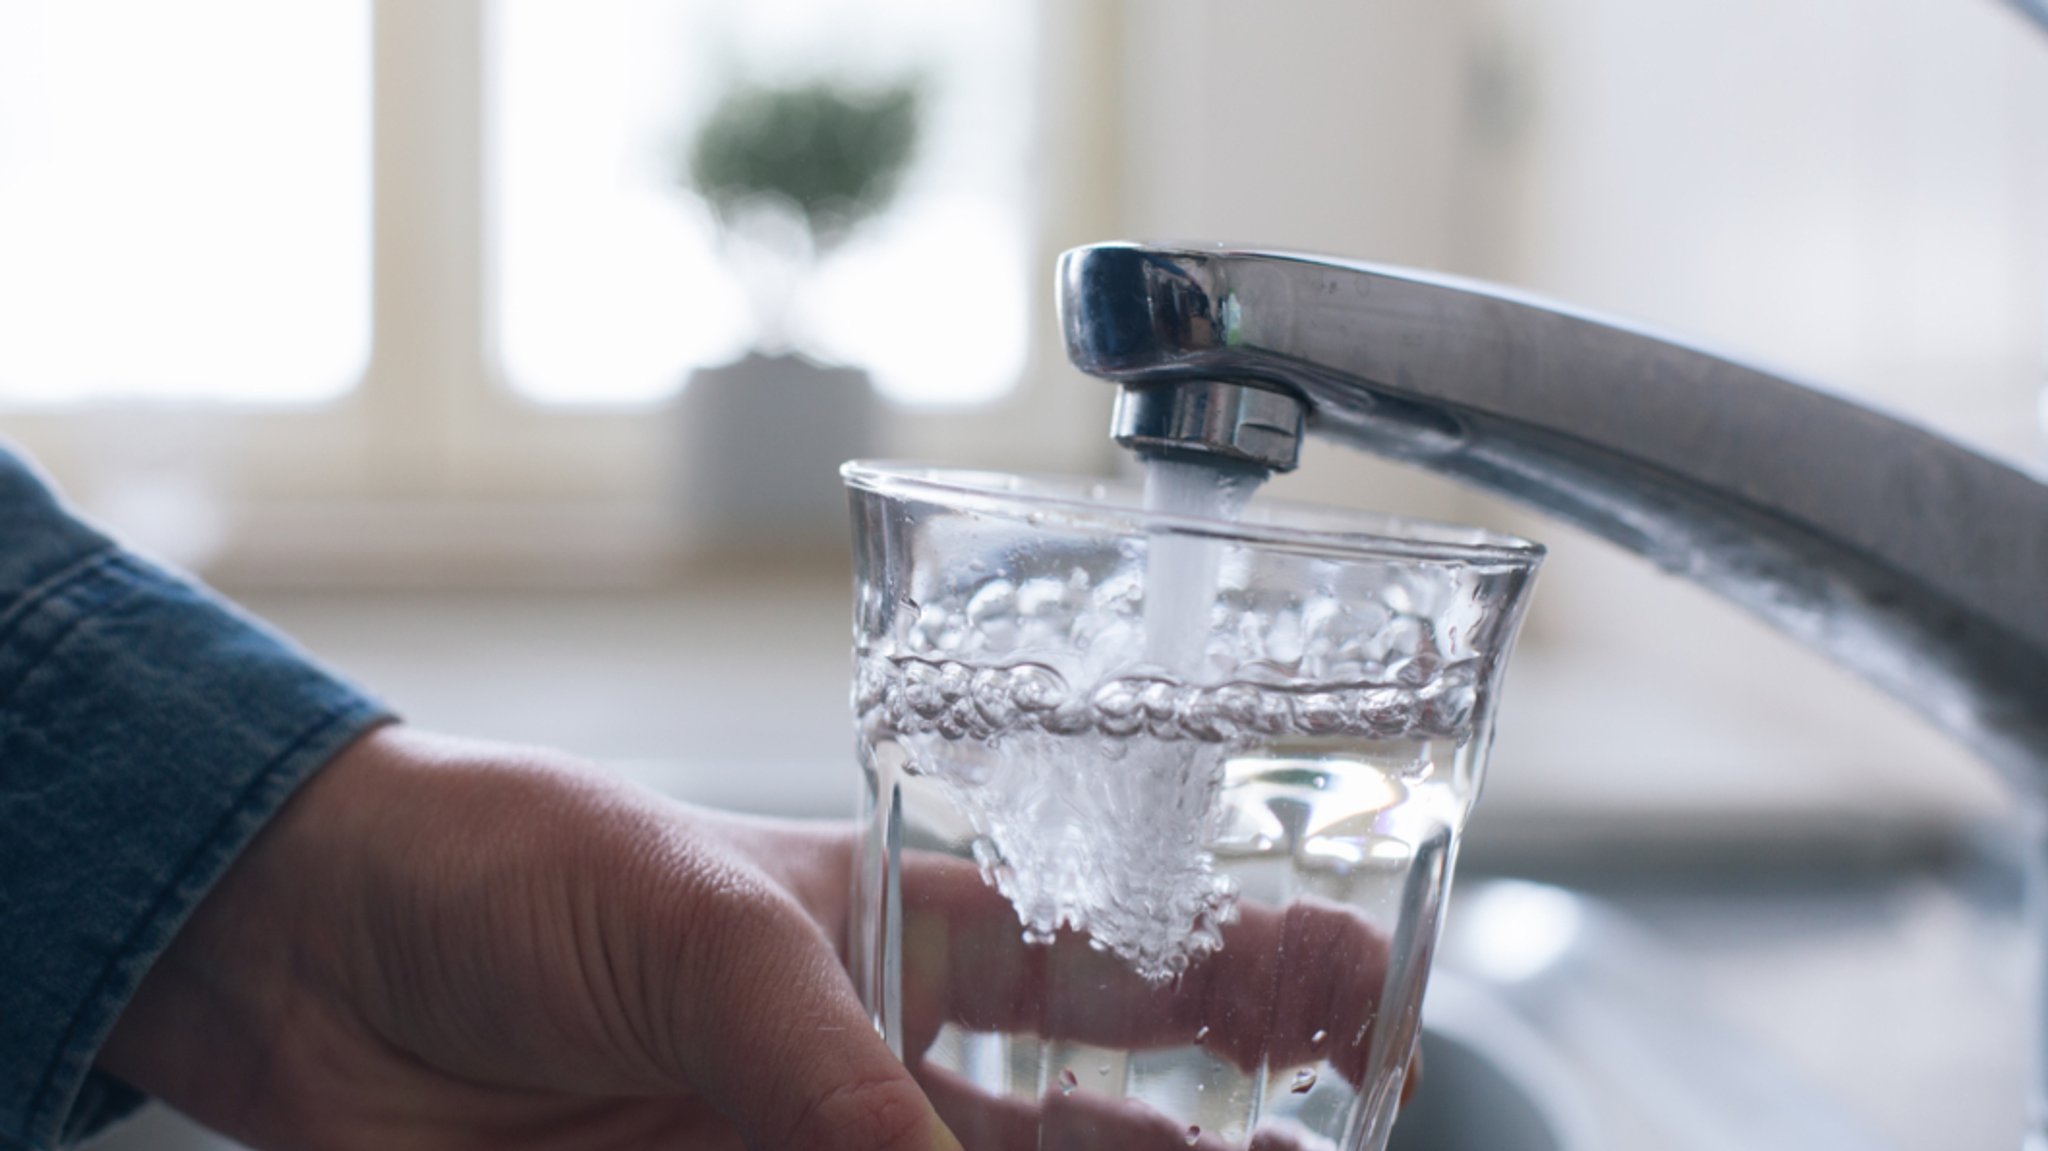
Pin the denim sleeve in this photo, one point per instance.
(147, 730)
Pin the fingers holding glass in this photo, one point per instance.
(1024, 1037)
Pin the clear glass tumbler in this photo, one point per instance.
(1160, 810)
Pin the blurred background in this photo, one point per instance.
(433, 333)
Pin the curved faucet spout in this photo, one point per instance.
(1909, 558)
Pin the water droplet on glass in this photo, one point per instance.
(1316, 1040)
(1067, 1081)
(1303, 1080)
(1194, 1133)
(1102, 1070)
(1202, 1033)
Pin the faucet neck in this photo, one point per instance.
(1906, 557)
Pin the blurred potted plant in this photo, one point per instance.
(790, 172)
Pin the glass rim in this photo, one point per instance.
(1356, 533)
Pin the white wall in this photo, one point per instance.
(1854, 189)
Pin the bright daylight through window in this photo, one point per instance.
(184, 199)
(611, 282)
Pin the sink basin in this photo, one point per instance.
(1554, 1024)
(1472, 1101)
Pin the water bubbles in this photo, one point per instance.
(1160, 698)
(995, 701)
(1447, 705)
(1068, 1082)
(1316, 1040)
(1271, 714)
(1034, 687)
(1118, 707)
(1161, 702)
(1283, 641)
(1384, 712)
(961, 700)
(1193, 1136)
(1070, 718)
(1202, 719)
(1229, 708)
(993, 600)
(1102, 1069)
(870, 684)
(1004, 739)
(1202, 1033)
(1028, 692)
(921, 690)
(1417, 669)
(1042, 595)
(1320, 712)
(1304, 1080)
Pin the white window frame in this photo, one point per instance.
(434, 471)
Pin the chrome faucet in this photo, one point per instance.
(1904, 556)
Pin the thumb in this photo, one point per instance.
(776, 1039)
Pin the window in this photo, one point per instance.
(184, 199)
(607, 282)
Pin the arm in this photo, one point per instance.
(226, 882)
(147, 730)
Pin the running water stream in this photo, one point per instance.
(1180, 567)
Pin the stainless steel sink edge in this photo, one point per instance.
(1590, 1021)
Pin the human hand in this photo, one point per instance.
(1292, 986)
(440, 945)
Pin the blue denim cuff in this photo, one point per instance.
(147, 731)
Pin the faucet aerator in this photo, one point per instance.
(1211, 421)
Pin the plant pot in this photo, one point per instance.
(759, 445)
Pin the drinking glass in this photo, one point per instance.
(1160, 810)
